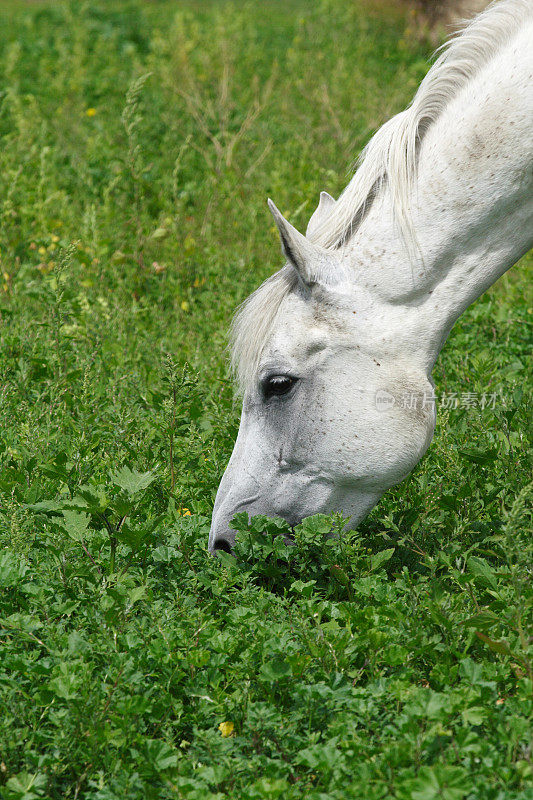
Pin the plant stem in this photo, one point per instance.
(113, 541)
(172, 424)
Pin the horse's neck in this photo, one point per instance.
(471, 207)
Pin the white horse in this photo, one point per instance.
(328, 348)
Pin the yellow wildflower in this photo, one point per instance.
(91, 112)
(185, 512)
(226, 728)
(184, 305)
(42, 251)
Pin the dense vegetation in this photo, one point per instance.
(138, 144)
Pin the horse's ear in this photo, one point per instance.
(323, 209)
(313, 263)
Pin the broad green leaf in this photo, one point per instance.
(483, 620)
(160, 754)
(27, 786)
(275, 670)
(481, 569)
(471, 670)
(303, 588)
(160, 233)
(378, 559)
(313, 530)
(132, 537)
(240, 522)
(427, 785)
(137, 593)
(65, 685)
(12, 568)
(480, 456)
(320, 757)
(339, 574)
(76, 524)
(496, 645)
(441, 782)
(165, 553)
(89, 498)
(132, 481)
(474, 715)
(22, 622)
(45, 507)
(438, 617)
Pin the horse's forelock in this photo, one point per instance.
(254, 322)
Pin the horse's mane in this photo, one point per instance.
(389, 158)
(391, 154)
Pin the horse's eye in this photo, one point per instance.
(277, 385)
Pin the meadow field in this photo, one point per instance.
(138, 144)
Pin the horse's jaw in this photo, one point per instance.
(292, 498)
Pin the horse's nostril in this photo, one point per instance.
(222, 544)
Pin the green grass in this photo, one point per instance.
(139, 142)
